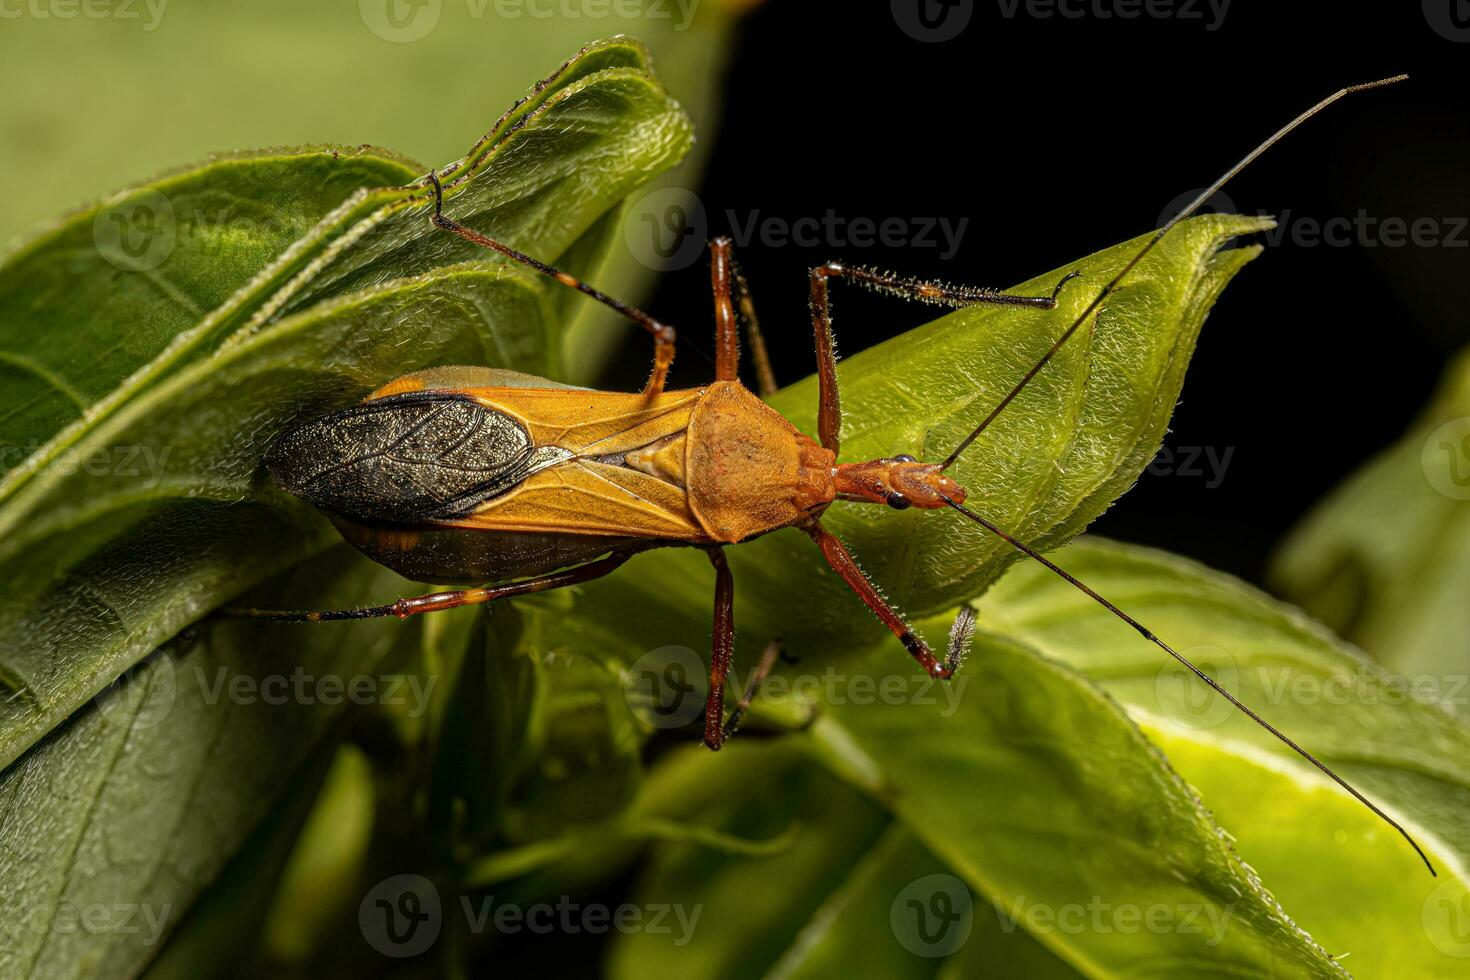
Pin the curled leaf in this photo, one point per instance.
(1070, 444)
(1385, 559)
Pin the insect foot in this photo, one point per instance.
(961, 637)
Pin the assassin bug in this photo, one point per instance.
(473, 474)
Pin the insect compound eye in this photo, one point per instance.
(899, 502)
(905, 458)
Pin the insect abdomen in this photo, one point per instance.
(459, 556)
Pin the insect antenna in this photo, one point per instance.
(1128, 267)
(1148, 634)
(1092, 308)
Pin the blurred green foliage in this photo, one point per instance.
(1068, 806)
(97, 103)
(1385, 559)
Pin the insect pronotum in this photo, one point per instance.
(474, 474)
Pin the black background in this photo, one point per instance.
(1058, 136)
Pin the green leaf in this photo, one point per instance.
(315, 72)
(596, 129)
(1040, 794)
(133, 806)
(1345, 877)
(1028, 783)
(152, 511)
(230, 914)
(96, 296)
(1074, 440)
(746, 913)
(1385, 560)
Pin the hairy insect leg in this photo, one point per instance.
(829, 409)
(732, 293)
(762, 670)
(722, 648)
(437, 601)
(844, 565)
(663, 335)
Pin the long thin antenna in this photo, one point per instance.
(1194, 206)
(1147, 634)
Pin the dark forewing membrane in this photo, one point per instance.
(422, 456)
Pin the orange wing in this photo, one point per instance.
(586, 494)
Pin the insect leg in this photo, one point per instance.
(844, 565)
(436, 601)
(829, 410)
(732, 293)
(663, 334)
(721, 649)
(767, 661)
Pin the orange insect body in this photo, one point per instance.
(711, 465)
(523, 485)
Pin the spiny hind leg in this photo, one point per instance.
(829, 408)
